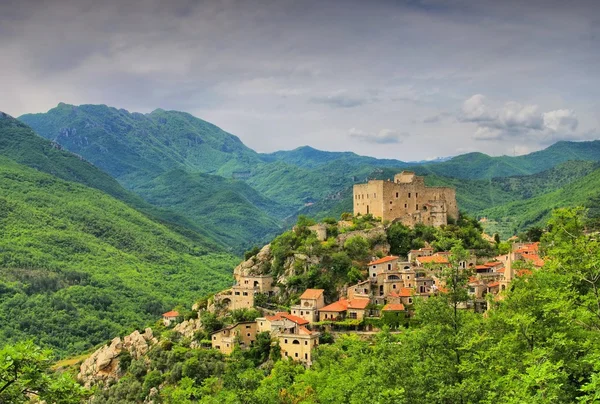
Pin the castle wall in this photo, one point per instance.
(405, 199)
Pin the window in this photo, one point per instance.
(214, 338)
(394, 286)
(306, 356)
(416, 194)
(390, 202)
(285, 340)
(285, 353)
(237, 293)
(396, 194)
(305, 342)
(296, 354)
(248, 334)
(417, 207)
(301, 313)
(296, 342)
(247, 326)
(389, 267)
(409, 300)
(409, 194)
(245, 293)
(352, 315)
(374, 196)
(405, 205)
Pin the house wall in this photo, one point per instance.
(331, 316)
(302, 351)
(226, 339)
(241, 298)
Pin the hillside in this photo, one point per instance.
(519, 215)
(79, 266)
(482, 166)
(237, 215)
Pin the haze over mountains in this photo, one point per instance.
(209, 180)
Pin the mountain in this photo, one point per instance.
(482, 166)
(518, 215)
(309, 157)
(168, 158)
(78, 266)
(237, 215)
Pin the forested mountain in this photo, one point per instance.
(187, 167)
(482, 166)
(79, 267)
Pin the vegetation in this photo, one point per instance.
(79, 267)
(25, 373)
(539, 344)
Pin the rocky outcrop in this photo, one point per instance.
(103, 365)
(254, 265)
(188, 328)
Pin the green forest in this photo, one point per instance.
(539, 343)
(79, 267)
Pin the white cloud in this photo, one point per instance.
(514, 119)
(384, 136)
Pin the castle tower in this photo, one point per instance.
(406, 199)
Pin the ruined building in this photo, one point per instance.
(407, 200)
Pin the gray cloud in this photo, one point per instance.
(270, 71)
(514, 119)
(384, 136)
(340, 100)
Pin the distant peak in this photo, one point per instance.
(4, 115)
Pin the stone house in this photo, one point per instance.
(298, 344)
(382, 265)
(357, 308)
(241, 334)
(170, 317)
(360, 290)
(421, 252)
(310, 303)
(334, 312)
(406, 199)
(246, 287)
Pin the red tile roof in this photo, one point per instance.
(482, 267)
(406, 292)
(304, 330)
(291, 317)
(312, 293)
(360, 304)
(492, 263)
(171, 313)
(383, 260)
(273, 318)
(493, 284)
(393, 307)
(435, 259)
(339, 306)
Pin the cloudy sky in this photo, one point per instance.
(407, 80)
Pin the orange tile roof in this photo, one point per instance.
(393, 307)
(171, 313)
(492, 263)
(522, 272)
(406, 292)
(493, 284)
(312, 293)
(482, 267)
(273, 318)
(291, 317)
(358, 304)
(384, 259)
(501, 270)
(435, 259)
(304, 330)
(340, 305)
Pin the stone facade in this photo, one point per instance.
(407, 200)
(242, 334)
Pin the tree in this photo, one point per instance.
(25, 371)
(357, 248)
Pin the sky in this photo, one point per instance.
(409, 80)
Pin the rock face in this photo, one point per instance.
(189, 327)
(254, 265)
(103, 365)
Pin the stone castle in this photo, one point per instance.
(407, 200)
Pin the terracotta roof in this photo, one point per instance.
(522, 272)
(384, 259)
(485, 267)
(406, 292)
(393, 307)
(492, 263)
(339, 306)
(358, 304)
(304, 330)
(273, 318)
(312, 293)
(171, 313)
(493, 284)
(435, 259)
(295, 319)
(501, 270)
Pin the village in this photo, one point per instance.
(391, 283)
